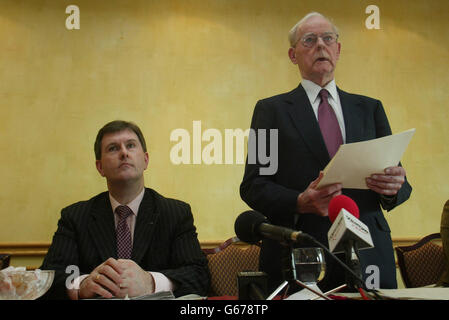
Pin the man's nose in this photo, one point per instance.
(123, 151)
(320, 42)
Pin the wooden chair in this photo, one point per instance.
(226, 261)
(4, 261)
(421, 264)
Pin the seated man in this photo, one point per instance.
(129, 241)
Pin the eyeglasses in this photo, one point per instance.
(309, 40)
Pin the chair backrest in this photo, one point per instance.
(421, 264)
(226, 261)
(444, 231)
(4, 261)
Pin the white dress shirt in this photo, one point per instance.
(313, 90)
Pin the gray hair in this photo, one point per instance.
(293, 33)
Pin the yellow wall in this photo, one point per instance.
(165, 64)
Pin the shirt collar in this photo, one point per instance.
(133, 205)
(313, 90)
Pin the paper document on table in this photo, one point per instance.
(354, 162)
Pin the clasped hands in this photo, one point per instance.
(117, 278)
(314, 200)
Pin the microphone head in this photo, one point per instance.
(246, 226)
(342, 202)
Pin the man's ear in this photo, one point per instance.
(338, 50)
(99, 167)
(292, 55)
(147, 159)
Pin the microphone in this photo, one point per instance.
(346, 227)
(252, 226)
(348, 234)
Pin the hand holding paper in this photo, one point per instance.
(389, 183)
(354, 162)
(316, 201)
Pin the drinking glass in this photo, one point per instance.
(310, 264)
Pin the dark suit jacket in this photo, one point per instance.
(302, 154)
(165, 240)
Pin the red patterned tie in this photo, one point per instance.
(124, 242)
(329, 124)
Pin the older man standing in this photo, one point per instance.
(312, 121)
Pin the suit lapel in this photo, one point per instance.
(304, 120)
(145, 224)
(101, 228)
(353, 116)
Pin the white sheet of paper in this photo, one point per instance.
(305, 294)
(356, 161)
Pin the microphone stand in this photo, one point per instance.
(290, 271)
(291, 276)
(353, 262)
(302, 284)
